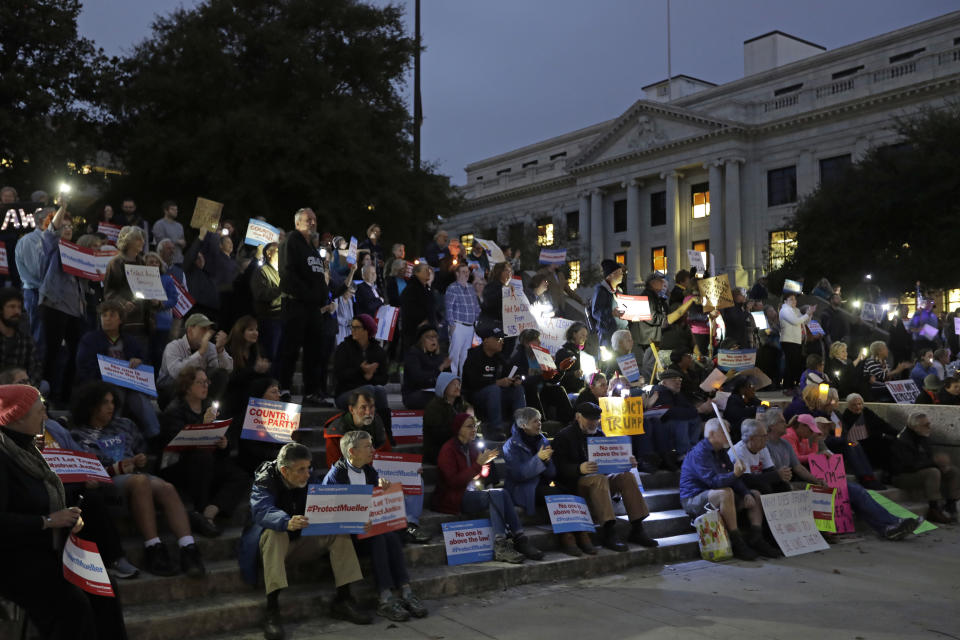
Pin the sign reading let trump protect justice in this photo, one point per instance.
(622, 416)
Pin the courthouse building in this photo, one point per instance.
(715, 168)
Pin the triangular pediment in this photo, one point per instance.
(644, 126)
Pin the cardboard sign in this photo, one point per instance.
(111, 231)
(494, 254)
(903, 391)
(716, 293)
(569, 513)
(736, 359)
(468, 540)
(831, 470)
(4, 263)
(199, 436)
(713, 381)
(401, 469)
(118, 372)
(544, 359)
(260, 233)
(553, 256)
(622, 416)
(337, 508)
(387, 512)
(184, 300)
(815, 328)
(792, 286)
(407, 426)
(270, 421)
(206, 215)
(387, 322)
(83, 567)
(929, 332)
(85, 263)
(75, 466)
(635, 308)
(760, 320)
(698, 260)
(900, 511)
(516, 312)
(823, 499)
(760, 379)
(145, 282)
(629, 367)
(790, 516)
(612, 454)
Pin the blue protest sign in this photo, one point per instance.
(338, 508)
(569, 513)
(118, 372)
(612, 453)
(468, 541)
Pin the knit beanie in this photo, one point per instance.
(368, 323)
(443, 381)
(458, 421)
(15, 401)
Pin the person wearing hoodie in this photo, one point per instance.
(464, 470)
(439, 415)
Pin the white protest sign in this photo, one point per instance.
(75, 466)
(635, 308)
(199, 436)
(956, 325)
(736, 359)
(260, 233)
(698, 260)
(553, 332)
(145, 282)
(352, 251)
(871, 312)
(184, 300)
(516, 283)
(118, 372)
(929, 332)
(468, 541)
(407, 426)
(544, 359)
(4, 263)
(713, 381)
(387, 322)
(790, 516)
(338, 508)
(516, 312)
(760, 320)
(588, 364)
(387, 512)
(611, 453)
(83, 567)
(494, 253)
(569, 513)
(270, 421)
(401, 468)
(903, 391)
(792, 286)
(84, 263)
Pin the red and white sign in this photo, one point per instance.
(387, 512)
(635, 308)
(4, 265)
(409, 270)
(184, 300)
(85, 263)
(401, 469)
(199, 436)
(407, 426)
(112, 231)
(75, 466)
(544, 359)
(387, 322)
(83, 567)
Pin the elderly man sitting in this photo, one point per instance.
(577, 475)
(916, 467)
(708, 476)
(274, 533)
(760, 474)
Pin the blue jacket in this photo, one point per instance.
(338, 474)
(525, 470)
(705, 468)
(163, 318)
(919, 372)
(97, 342)
(601, 313)
(59, 290)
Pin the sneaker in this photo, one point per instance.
(273, 626)
(568, 545)
(393, 610)
(902, 529)
(316, 400)
(414, 605)
(639, 536)
(190, 562)
(585, 543)
(414, 533)
(202, 526)
(122, 569)
(347, 609)
(522, 544)
(503, 551)
(157, 561)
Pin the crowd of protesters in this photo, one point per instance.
(257, 310)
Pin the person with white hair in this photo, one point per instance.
(761, 474)
(369, 297)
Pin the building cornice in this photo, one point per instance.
(525, 190)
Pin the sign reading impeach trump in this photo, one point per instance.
(622, 416)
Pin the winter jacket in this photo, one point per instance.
(420, 369)
(302, 271)
(791, 324)
(704, 468)
(455, 473)
(96, 342)
(367, 301)
(601, 313)
(437, 421)
(910, 453)
(525, 470)
(569, 452)
(652, 330)
(346, 365)
(339, 474)
(265, 289)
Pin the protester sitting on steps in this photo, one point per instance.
(386, 551)
(439, 415)
(360, 362)
(421, 366)
(916, 467)
(486, 383)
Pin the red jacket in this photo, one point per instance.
(455, 474)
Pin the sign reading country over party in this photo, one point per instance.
(337, 508)
(270, 421)
(903, 391)
(612, 454)
(790, 516)
(118, 372)
(401, 469)
(260, 233)
(407, 426)
(387, 511)
(75, 466)
(111, 231)
(553, 256)
(468, 541)
(4, 263)
(83, 567)
(635, 308)
(569, 513)
(629, 367)
(145, 282)
(736, 359)
(622, 416)
(831, 470)
(199, 436)
(184, 300)
(84, 263)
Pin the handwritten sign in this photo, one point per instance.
(516, 312)
(790, 516)
(75, 466)
(698, 260)
(111, 231)
(118, 372)
(260, 233)
(736, 359)
(83, 567)
(206, 215)
(635, 308)
(387, 322)
(553, 332)
(544, 359)
(4, 263)
(831, 470)
(387, 512)
(903, 391)
(569, 513)
(760, 320)
(85, 263)
(184, 300)
(815, 328)
(553, 256)
(612, 454)
(622, 416)
(822, 499)
(401, 469)
(199, 436)
(716, 293)
(494, 254)
(407, 426)
(468, 541)
(270, 421)
(338, 508)
(629, 367)
(145, 282)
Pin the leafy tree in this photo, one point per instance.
(271, 105)
(49, 93)
(892, 216)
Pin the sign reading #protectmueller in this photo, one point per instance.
(337, 508)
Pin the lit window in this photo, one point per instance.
(782, 246)
(953, 300)
(466, 240)
(700, 194)
(545, 232)
(658, 257)
(621, 257)
(574, 278)
(702, 246)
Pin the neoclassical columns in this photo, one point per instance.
(596, 226)
(633, 187)
(583, 200)
(717, 215)
(674, 250)
(733, 218)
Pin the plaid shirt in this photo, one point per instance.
(19, 351)
(461, 303)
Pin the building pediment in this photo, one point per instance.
(646, 126)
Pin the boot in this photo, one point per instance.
(503, 551)
(522, 544)
(273, 626)
(934, 514)
(610, 538)
(740, 547)
(639, 536)
(759, 544)
(585, 543)
(568, 545)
